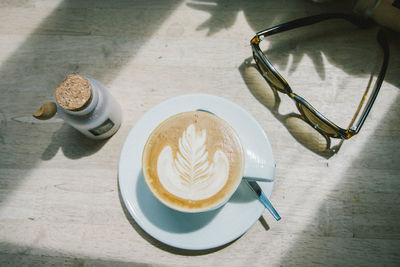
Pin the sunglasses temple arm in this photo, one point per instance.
(361, 22)
(383, 42)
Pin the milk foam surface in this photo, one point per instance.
(190, 174)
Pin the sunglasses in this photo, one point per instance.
(308, 112)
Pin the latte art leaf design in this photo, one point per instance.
(191, 163)
(191, 174)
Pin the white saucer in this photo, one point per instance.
(201, 230)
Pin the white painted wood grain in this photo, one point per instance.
(59, 200)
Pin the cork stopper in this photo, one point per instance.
(74, 93)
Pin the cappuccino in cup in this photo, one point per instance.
(193, 162)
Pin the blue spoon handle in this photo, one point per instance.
(263, 198)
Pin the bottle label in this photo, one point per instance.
(103, 128)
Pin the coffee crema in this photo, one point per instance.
(193, 161)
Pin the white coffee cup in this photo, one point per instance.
(194, 162)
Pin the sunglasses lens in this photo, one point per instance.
(317, 122)
(267, 73)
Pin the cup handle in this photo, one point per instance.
(259, 172)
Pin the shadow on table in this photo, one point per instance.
(344, 45)
(60, 45)
(357, 221)
(260, 14)
(95, 38)
(20, 255)
(73, 144)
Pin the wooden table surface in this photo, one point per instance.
(59, 196)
